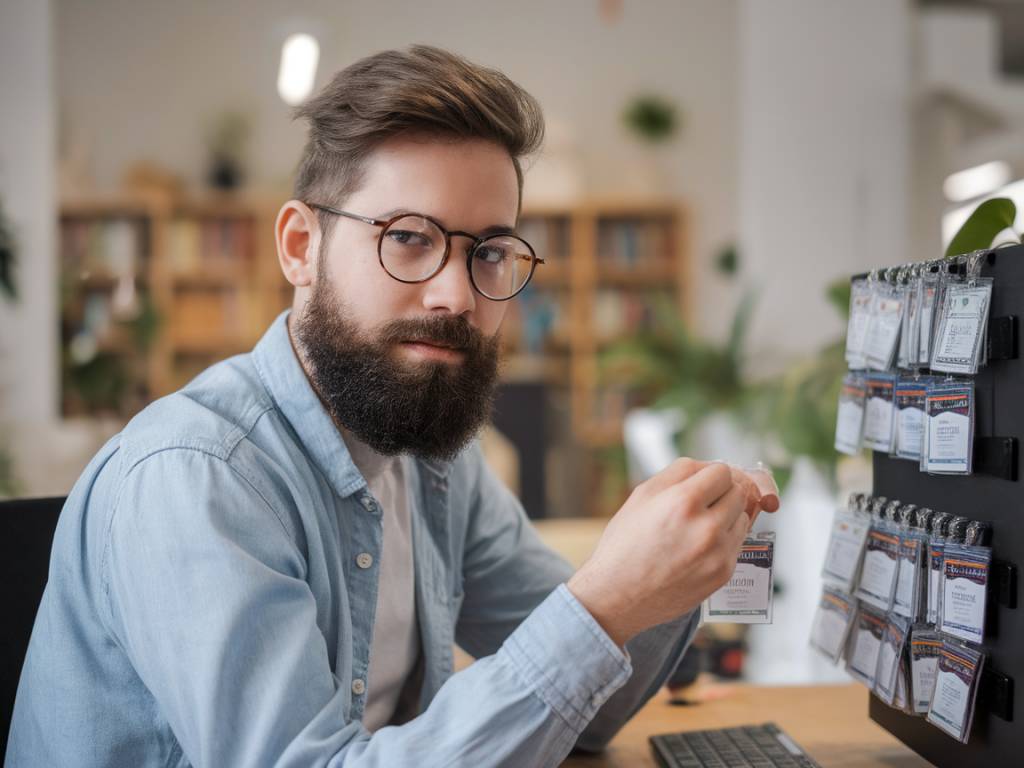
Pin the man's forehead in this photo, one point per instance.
(460, 182)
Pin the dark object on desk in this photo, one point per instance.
(26, 537)
(754, 746)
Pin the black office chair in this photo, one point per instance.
(26, 537)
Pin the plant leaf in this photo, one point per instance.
(988, 220)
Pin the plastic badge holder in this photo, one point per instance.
(832, 622)
(845, 549)
(889, 654)
(936, 545)
(861, 298)
(961, 327)
(925, 645)
(884, 326)
(911, 333)
(912, 553)
(879, 411)
(965, 577)
(747, 597)
(956, 689)
(909, 417)
(926, 320)
(904, 344)
(948, 445)
(864, 645)
(850, 415)
(880, 567)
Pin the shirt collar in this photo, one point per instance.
(283, 376)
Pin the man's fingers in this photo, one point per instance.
(731, 507)
(676, 472)
(709, 484)
(767, 487)
(753, 493)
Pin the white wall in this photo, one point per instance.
(139, 80)
(28, 329)
(825, 105)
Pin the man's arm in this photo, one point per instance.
(508, 571)
(206, 593)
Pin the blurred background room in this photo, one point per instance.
(714, 171)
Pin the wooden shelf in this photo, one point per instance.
(657, 276)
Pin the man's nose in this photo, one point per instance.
(451, 289)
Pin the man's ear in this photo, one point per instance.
(297, 232)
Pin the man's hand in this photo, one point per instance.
(674, 542)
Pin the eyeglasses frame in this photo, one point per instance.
(384, 224)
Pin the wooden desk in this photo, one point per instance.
(830, 722)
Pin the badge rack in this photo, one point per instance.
(994, 494)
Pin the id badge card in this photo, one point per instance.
(908, 579)
(861, 297)
(889, 655)
(865, 644)
(901, 700)
(881, 563)
(962, 325)
(929, 293)
(965, 575)
(949, 430)
(904, 345)
(884, 327)
(747, 597)
(956, 687)
(832, 621)
(924, 666)
(845, 550)
(850, 415)
(935, 549)
(909, 406)
(878, 412)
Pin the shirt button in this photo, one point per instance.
(358, 687)
(364, 560)
(367, 502)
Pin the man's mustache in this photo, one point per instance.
(441, 331)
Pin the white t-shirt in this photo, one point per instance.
(396, 642)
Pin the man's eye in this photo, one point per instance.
(405, 237)
(491, 254)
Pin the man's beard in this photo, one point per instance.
(429, 409)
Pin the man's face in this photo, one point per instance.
(409, 367)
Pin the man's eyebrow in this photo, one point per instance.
(494, 229)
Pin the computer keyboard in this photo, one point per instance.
(749, 746)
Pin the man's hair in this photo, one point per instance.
(424, 91)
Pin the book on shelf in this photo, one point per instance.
(618, 313)
(107, 248)
(209, 245)
(627, 243)
(549, 235)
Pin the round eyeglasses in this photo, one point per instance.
(413, 247)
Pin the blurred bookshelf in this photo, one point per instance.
(607, 264)
(154, 290)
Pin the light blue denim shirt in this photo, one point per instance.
(206, 607)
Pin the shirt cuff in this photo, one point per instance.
(574, 666)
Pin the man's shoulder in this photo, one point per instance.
(211, 414)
